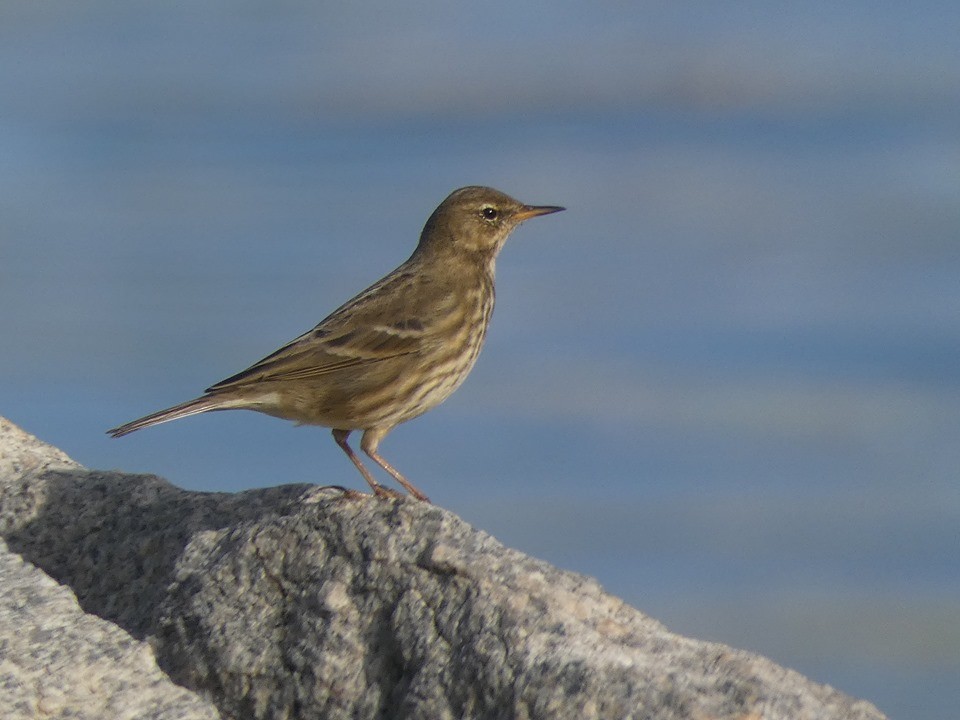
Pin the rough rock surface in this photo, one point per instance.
(304, 602)
(57, 661)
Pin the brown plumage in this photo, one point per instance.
(394, 351)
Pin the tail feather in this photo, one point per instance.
(191, 407)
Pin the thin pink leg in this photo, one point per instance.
(340, 436)
(368, 443)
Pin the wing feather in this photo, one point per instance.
(318, 353)
(381, 323)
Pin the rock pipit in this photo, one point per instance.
(394, 351)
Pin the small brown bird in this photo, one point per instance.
(394, 351)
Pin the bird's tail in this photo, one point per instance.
(191, 407)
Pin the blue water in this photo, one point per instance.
(724, 382)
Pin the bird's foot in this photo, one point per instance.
(330, 492)
(385, 492)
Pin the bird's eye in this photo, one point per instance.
(489, 213)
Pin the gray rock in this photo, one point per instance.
(58, 662)
(305, 602)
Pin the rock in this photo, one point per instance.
(306, 602)
(57, 661)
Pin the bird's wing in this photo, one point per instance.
(372, 327)
(323, 351)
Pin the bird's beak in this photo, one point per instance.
(529, 211)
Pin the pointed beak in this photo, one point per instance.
(529, 211)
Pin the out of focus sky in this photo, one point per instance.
(725, 382)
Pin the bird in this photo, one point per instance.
(392, 352)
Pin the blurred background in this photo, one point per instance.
(725, 382)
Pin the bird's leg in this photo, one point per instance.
(340, 436)
(368, 443)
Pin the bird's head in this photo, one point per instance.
(476, 220)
